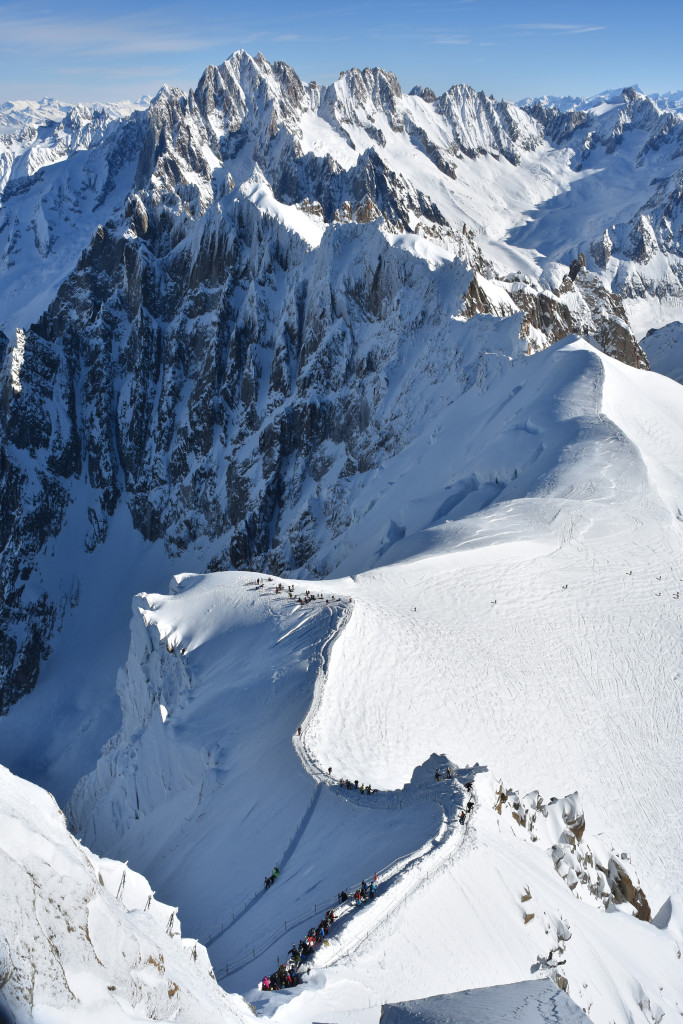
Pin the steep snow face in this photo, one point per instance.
(57, 184)
(83, 938)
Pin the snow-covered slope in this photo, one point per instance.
(515, 620)
(82, 938)
(328, 333)
(495, 913)
(526, 1002)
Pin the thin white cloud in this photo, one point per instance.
(110, 36)
(293, 37)
(554, 28)
(451, 41)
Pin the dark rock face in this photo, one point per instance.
(424, 92)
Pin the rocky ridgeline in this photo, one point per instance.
(593, 872)
(655, 228)
(229, 371)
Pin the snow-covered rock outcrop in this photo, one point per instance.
(82, 938)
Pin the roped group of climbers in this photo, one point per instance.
(288, 975)
(269, 879)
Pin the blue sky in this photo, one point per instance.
(107, 51)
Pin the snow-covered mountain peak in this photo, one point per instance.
(484, 125)
(372, 89)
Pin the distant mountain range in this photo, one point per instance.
(672, 100)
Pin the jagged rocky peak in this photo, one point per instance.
(590, 868)
(367, 89)
(424, 92)
(245, 85)
(483, 125)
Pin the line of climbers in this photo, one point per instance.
(288, 973)
(302, 599)
(448, 774)
(354, 785)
